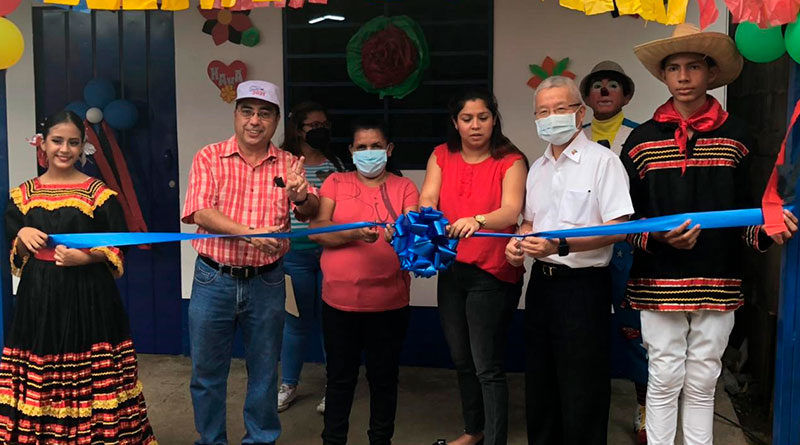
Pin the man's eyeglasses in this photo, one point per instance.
(316, 124)
(541, 114)
(264, 115)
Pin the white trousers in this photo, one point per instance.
(684, 355)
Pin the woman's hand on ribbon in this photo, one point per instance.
(463, 228)
(367, 234)
(67, 257)
(791, 225)
(296, 184)
(514, 254)
(32, 239)
(679, 237)
(388, 233)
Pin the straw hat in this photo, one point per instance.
(604, 68)
(687, 38)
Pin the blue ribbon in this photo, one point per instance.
(421, 242)
(89, 240)
(707, 220)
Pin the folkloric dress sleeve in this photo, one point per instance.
(110, 218)
(14, 222)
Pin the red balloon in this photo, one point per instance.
(8, 6)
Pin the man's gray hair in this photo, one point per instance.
(556, 82)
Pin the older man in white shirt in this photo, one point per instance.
(576, 183)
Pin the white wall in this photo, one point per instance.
(203, 117)
(21, 104)
(525, 32)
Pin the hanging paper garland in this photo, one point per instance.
(388, 56)
(173, 5)
(764, 13)
(667, 12)
(549, 68)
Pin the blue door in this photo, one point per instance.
(135, 51)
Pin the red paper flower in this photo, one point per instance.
(549, 68)
(233, 26)
(388, 57)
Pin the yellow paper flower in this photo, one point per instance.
(228, 93)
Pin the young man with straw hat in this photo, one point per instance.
(606, 90)
(691, 156)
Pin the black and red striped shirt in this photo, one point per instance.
(709, 276)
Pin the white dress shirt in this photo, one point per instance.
(586, 186)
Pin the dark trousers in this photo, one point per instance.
(380, 336)
(567, 389)
(475, 310)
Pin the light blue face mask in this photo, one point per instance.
(370, 163)
(557, 129)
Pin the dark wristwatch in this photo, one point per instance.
(563, 247)
(299, 203)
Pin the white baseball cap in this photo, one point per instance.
(258, 89)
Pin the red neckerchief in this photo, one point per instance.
(709, 117)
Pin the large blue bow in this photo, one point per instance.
(422, 244)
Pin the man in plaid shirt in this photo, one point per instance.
(244, 185)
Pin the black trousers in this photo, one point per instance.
(476, 309)
(380, 336)
(567, 388)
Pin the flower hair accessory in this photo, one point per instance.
(88, 150)
(35, 140)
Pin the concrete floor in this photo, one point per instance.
(428, 406)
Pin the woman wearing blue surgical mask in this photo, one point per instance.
(308, 134)
(477, 179)
(365, 294)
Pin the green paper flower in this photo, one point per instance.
(388, 56)
(251, 37)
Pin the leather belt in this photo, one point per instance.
(244, 272)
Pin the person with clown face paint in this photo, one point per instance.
(606, 90)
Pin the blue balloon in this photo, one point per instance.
(99, 93)
(78, 107)
(121, 114)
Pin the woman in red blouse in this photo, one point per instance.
(477, 179)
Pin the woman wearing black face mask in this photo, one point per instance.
(308, 134)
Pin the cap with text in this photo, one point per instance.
(258, 89)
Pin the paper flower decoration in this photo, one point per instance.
(549, 68)
(233, 26)
(228, 93)
(388, 56)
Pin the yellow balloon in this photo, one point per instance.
(12, 47)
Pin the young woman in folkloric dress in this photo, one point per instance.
(68, 372)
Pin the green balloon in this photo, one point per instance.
(793, 41)
(759, 45)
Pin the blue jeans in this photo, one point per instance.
(303, 267)
(220, 304)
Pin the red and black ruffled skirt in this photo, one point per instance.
(69, 373)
